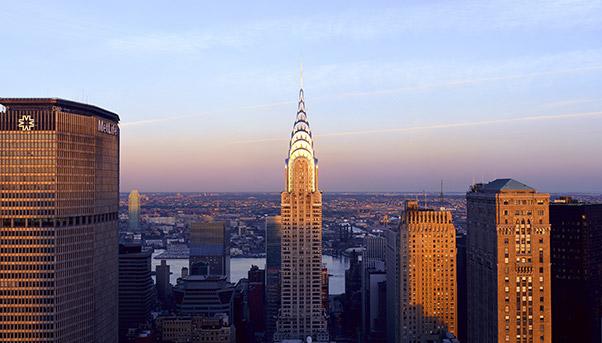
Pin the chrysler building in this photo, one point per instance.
(301, 311)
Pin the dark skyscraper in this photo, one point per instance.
(508, 253)
(59, 198)
(136, 289)
(373, 299)
(576, 244)
(256, 300)
(163, 286)
(209, 252)
(273, 228)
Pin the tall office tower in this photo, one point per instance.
(134, 211)
(136, 293)
(59, 199)
(374, 308)
(508, 253)
(209, 252)
(353, 298)
(373, 290)
(576, 248)
(462, 286)
(256, 300)
(273, 228)
(162, 274)
(392, 256)
(375, 250)
(301, 311)
(427, 274)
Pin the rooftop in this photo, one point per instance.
(503, 185)
(73, 106)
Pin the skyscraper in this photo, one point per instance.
(136, 289)
(576, 249)
(164, 288)
(209, 252)
(373, 298)
(508, 253)
(256, 300)
(427, 274)
(301, 310)
(59, 198)
(273, 228)
(134, 211)
(392, 258)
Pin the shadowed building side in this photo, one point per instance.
(273, 228)
(209, 252)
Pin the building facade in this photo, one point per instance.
(301, 311)
(273, 229)
(374, 283)
(256, 300)
(136, 289)
(207, 296)
(427, 274)
(209, 251)
(59, 198)
(392, 258)
(576, 248)
(508, 261)
(134, 211)
(196, 329)
(162, 285)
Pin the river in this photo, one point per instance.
(240, 266)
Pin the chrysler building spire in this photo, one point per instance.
(301, 144)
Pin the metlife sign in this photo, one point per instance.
(108, 128)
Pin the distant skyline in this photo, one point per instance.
(399, 95)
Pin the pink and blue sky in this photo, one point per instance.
(400, 94)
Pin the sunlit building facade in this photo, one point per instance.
(508, 264)
(427, 274)
(134, 211)
(302, 313)
(59, 197)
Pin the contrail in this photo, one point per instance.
(464, 82)
(158, 120)
(452, 83)
(441, 126)
(164, 119)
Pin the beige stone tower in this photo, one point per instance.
(508, 264)
(427, 274)
(301, 310)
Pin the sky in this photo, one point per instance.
(399, 94)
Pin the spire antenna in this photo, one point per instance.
(301, 75)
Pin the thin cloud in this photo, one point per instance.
(466, 82)
(565, 116)
(367, 25)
